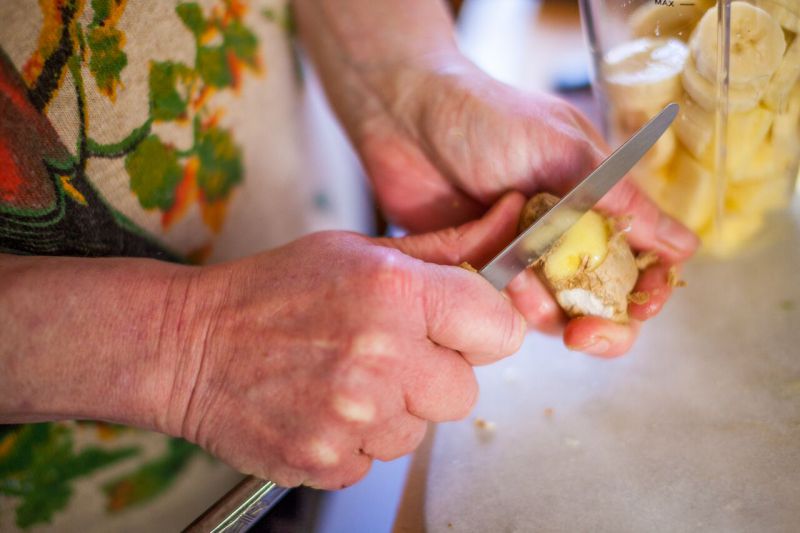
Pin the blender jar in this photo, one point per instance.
(733, 152)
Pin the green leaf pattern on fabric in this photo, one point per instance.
(192, 16)
(212, 65)
(105, 41)
(241, 42)
(220, 163)
(102, 10)
(39, 462)
(150, 479)
(41, 465)
(170, 86)
(179, 92)
(155, 173)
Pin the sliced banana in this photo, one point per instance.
(644, 74)
(748, 150)
(740, 97)
(652, 182)
(661, 153)
(694, 127)
(782, 82)
(734, 230)
(757, 197)
(766, 163)
(653, 20)
(624, 124)
(747, 131)
(786, 129)
(785, 12)
(689, 193)
(756, 44)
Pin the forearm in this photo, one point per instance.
(88, 338)
(370, 53)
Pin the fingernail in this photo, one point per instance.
(596, 346)
(675, 235)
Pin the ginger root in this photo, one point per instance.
(591, 270)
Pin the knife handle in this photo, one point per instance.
(240, 508)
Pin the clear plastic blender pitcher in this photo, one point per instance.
(732, 155)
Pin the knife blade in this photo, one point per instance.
(534, 242)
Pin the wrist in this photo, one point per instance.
(83, 338)
(369, 68)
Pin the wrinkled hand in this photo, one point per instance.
(456, 140)
(304, 363)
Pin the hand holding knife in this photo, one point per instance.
(247, 502)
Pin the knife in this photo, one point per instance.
(534, 242)
(238, 510)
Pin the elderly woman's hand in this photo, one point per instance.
(441, 141)
(460, 139)
(304, 363)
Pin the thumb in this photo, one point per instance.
(475, 242)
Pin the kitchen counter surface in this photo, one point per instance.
(696, 429)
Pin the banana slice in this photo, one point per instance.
(644, 74)
(694, 127)
(653, 20)
(786, 129)
(786, 12)
(758, 197)
(740, 97)
(747, 131)
(784, 79)
(689, 192)
(768, 162)
(782, 82)
(734, 230)
(652, 182)
(624, 123)
(756, 47)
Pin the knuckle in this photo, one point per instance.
(369, 343)
(354, 410)
(315, 456)
(389, 274)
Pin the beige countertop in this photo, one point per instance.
(697, 429)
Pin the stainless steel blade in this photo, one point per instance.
(537, 239)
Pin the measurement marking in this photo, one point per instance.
(687, 3)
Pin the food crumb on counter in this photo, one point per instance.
(787, 305)
(571, 442)
(548, 412)
(485, 429)
(484, 425)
